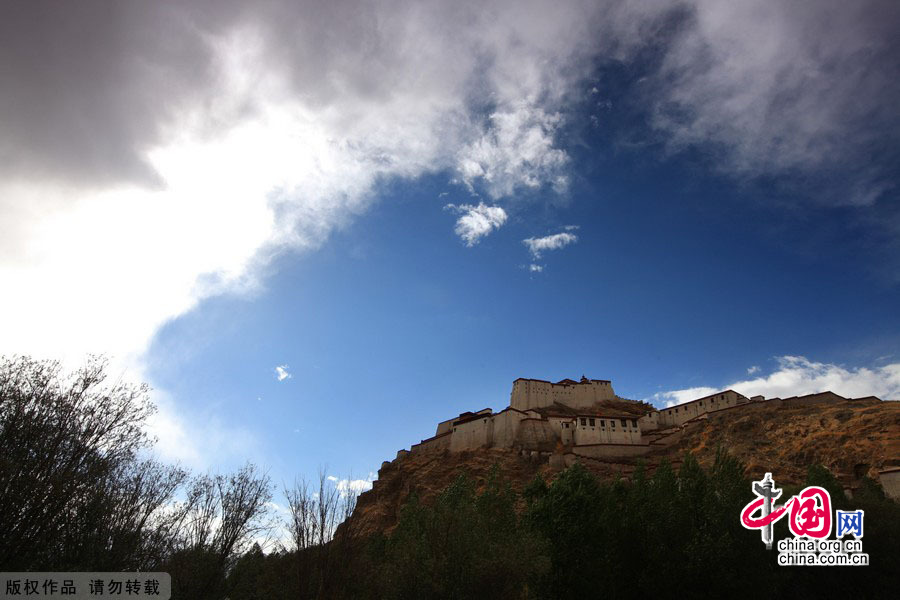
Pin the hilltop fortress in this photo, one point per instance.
(567, 419)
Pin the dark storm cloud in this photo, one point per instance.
(85, 86)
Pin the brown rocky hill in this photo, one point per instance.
(852, 439)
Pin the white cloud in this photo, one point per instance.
(675, 397)
(753, 369)
(534, 268)
(281, 372)
(517, 150)
(353, 486)
(551, 242)
(797, 375)
(278, 508)
(476, 222)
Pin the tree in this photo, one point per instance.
(324, 537)
(222, 517)
(69, 472)
(76, 494)
(467, 545)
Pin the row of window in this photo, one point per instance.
(587, 420)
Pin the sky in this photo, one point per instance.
(317, 229)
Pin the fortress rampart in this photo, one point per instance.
(586, 418)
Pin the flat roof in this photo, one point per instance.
(561, 382)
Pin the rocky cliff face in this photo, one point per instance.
(852, 439)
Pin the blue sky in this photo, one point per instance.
(405, 206)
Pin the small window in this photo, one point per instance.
(634, 422)
(624, 423)
(602, 423)
(592, 422)
(582, 422)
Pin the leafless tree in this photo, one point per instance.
(225, 513)
(222, 515)
(141, 519)
(301, 506)
(320, 531)
(65, 440)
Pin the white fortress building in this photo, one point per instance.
(545, 417)
(536, 393)
(569, 419)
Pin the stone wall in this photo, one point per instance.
(600, 430)
(535, 393)
(535, 434)
(677, 415)
(649, 422)
(813, 400)
(890, 481)
(473, 434)
(505, 428)
(438, 442)
(610, 450)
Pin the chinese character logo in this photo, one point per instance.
(810, 511)
(850, 521)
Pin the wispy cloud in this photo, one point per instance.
(352, 486)
(476, 222)
(797, 375)
(516, 151)
(779, 89)
(753, 369)
(671, 398)
(551, 242)
(281, 373)
(535, 268)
